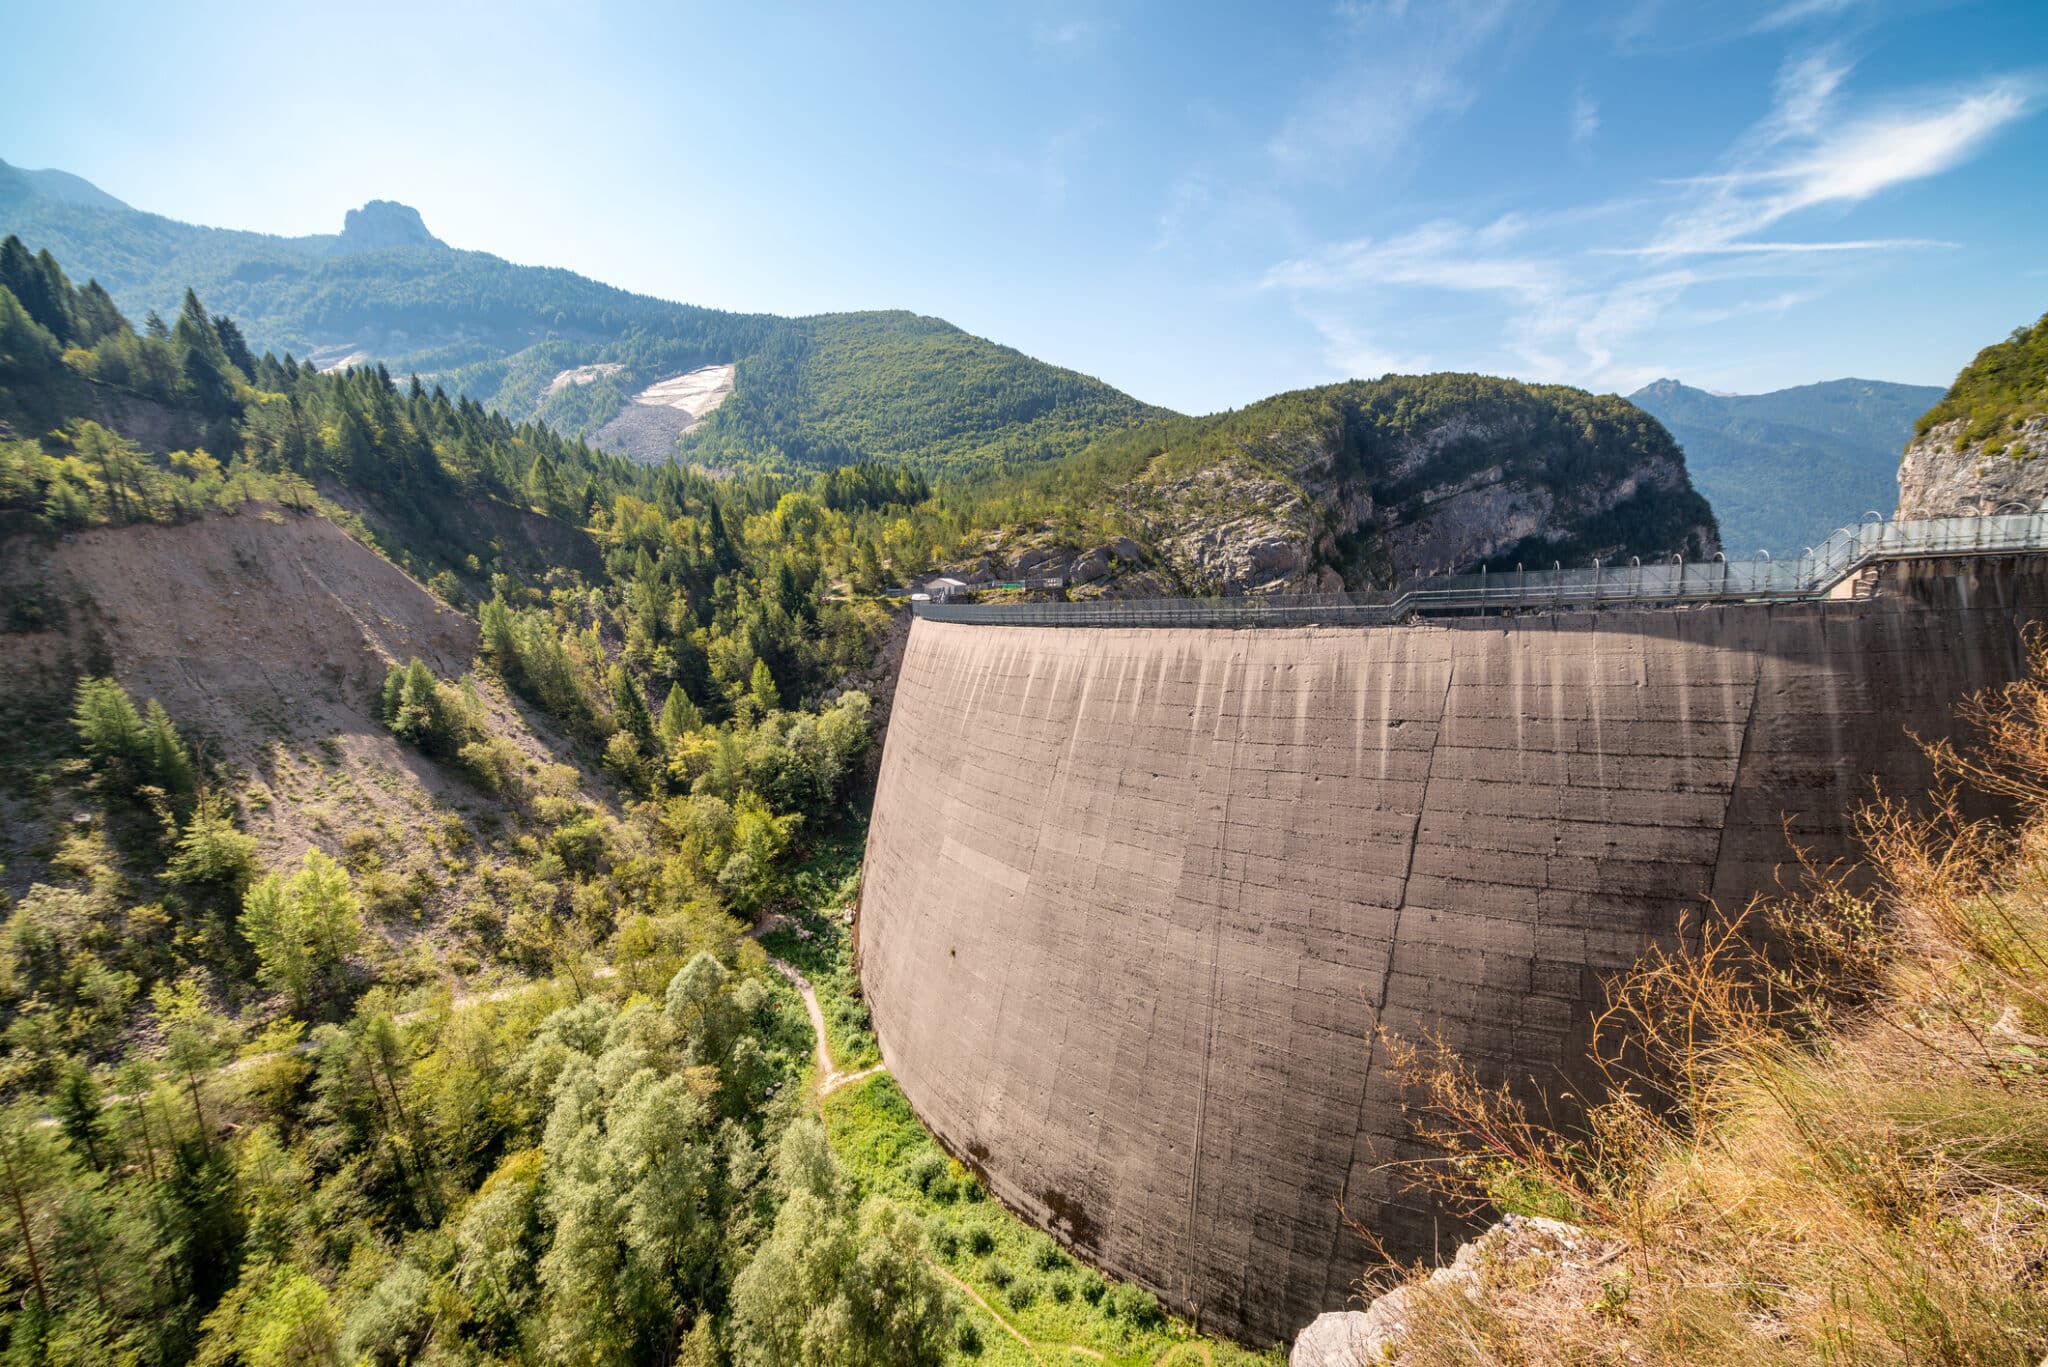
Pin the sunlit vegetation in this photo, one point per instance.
(2001, 389)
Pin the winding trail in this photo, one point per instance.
(830, 1079)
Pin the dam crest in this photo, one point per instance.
(1138, 898)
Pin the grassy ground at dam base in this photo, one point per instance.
(1023, 1298)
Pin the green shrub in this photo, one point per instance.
(1000, 1275)
(927, 1170)
(211, 852)
(1021, 1294)
(1135, 1306)
(967, 1338)
(980, 1241)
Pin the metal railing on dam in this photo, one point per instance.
(1816, 574)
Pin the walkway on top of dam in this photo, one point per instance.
(1822, 572)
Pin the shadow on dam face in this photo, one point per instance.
(1135, 900)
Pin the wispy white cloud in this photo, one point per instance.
(1806, 155)
(1363, 12)
(1402, 66)
(1066, 33)
(1800, 12)
(1585, 118)
(1569, 311)
(1351, 352)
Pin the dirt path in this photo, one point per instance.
(830, 1079)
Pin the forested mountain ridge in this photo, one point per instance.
(1358, 485)
(811, 392)
(1784, 469)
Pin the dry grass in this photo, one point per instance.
(1826, 1138)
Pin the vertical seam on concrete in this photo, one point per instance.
(1372, 1045)
(1756, 694)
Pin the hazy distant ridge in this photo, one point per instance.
(1784, 469)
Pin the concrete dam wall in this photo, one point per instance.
(1136, 899)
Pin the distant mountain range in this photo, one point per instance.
(1780, 469)
(537, 342)
(1786, 468)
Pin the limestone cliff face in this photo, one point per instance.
(1945, 474)
(1367, 484)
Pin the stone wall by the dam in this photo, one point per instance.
(1135, 900)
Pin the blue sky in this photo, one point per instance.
(1201, 204)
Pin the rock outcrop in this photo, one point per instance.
(1532, 1249)
(1365, 485)
(381, 224)
(1945, 474)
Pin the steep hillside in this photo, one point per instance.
(1784, 469)
(266, 634)
(1357, 485)
(1980, 449)
(811, 393)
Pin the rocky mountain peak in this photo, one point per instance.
(381, 224)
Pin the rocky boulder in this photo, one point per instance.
(1528, 1246)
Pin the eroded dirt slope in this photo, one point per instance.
(267, 635)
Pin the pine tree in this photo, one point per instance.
(164, 756)
(78, 1109)
(867, 567)
(40, 286)
(629, 708)
(98, 318)
(498, 641)
(194, 328)
(108, 725)
(766, 696)
(153, 324)
(234, 346)
(679, 716)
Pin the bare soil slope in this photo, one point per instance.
(267, 635)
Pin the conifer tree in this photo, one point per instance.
(164, 756)
(98, 318)
(498, 640)
(765, 694)
(234, 346)
(629, 708)
(679, 716)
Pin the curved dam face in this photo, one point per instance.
(1135, 900)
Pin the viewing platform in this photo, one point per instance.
(1829, 570)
